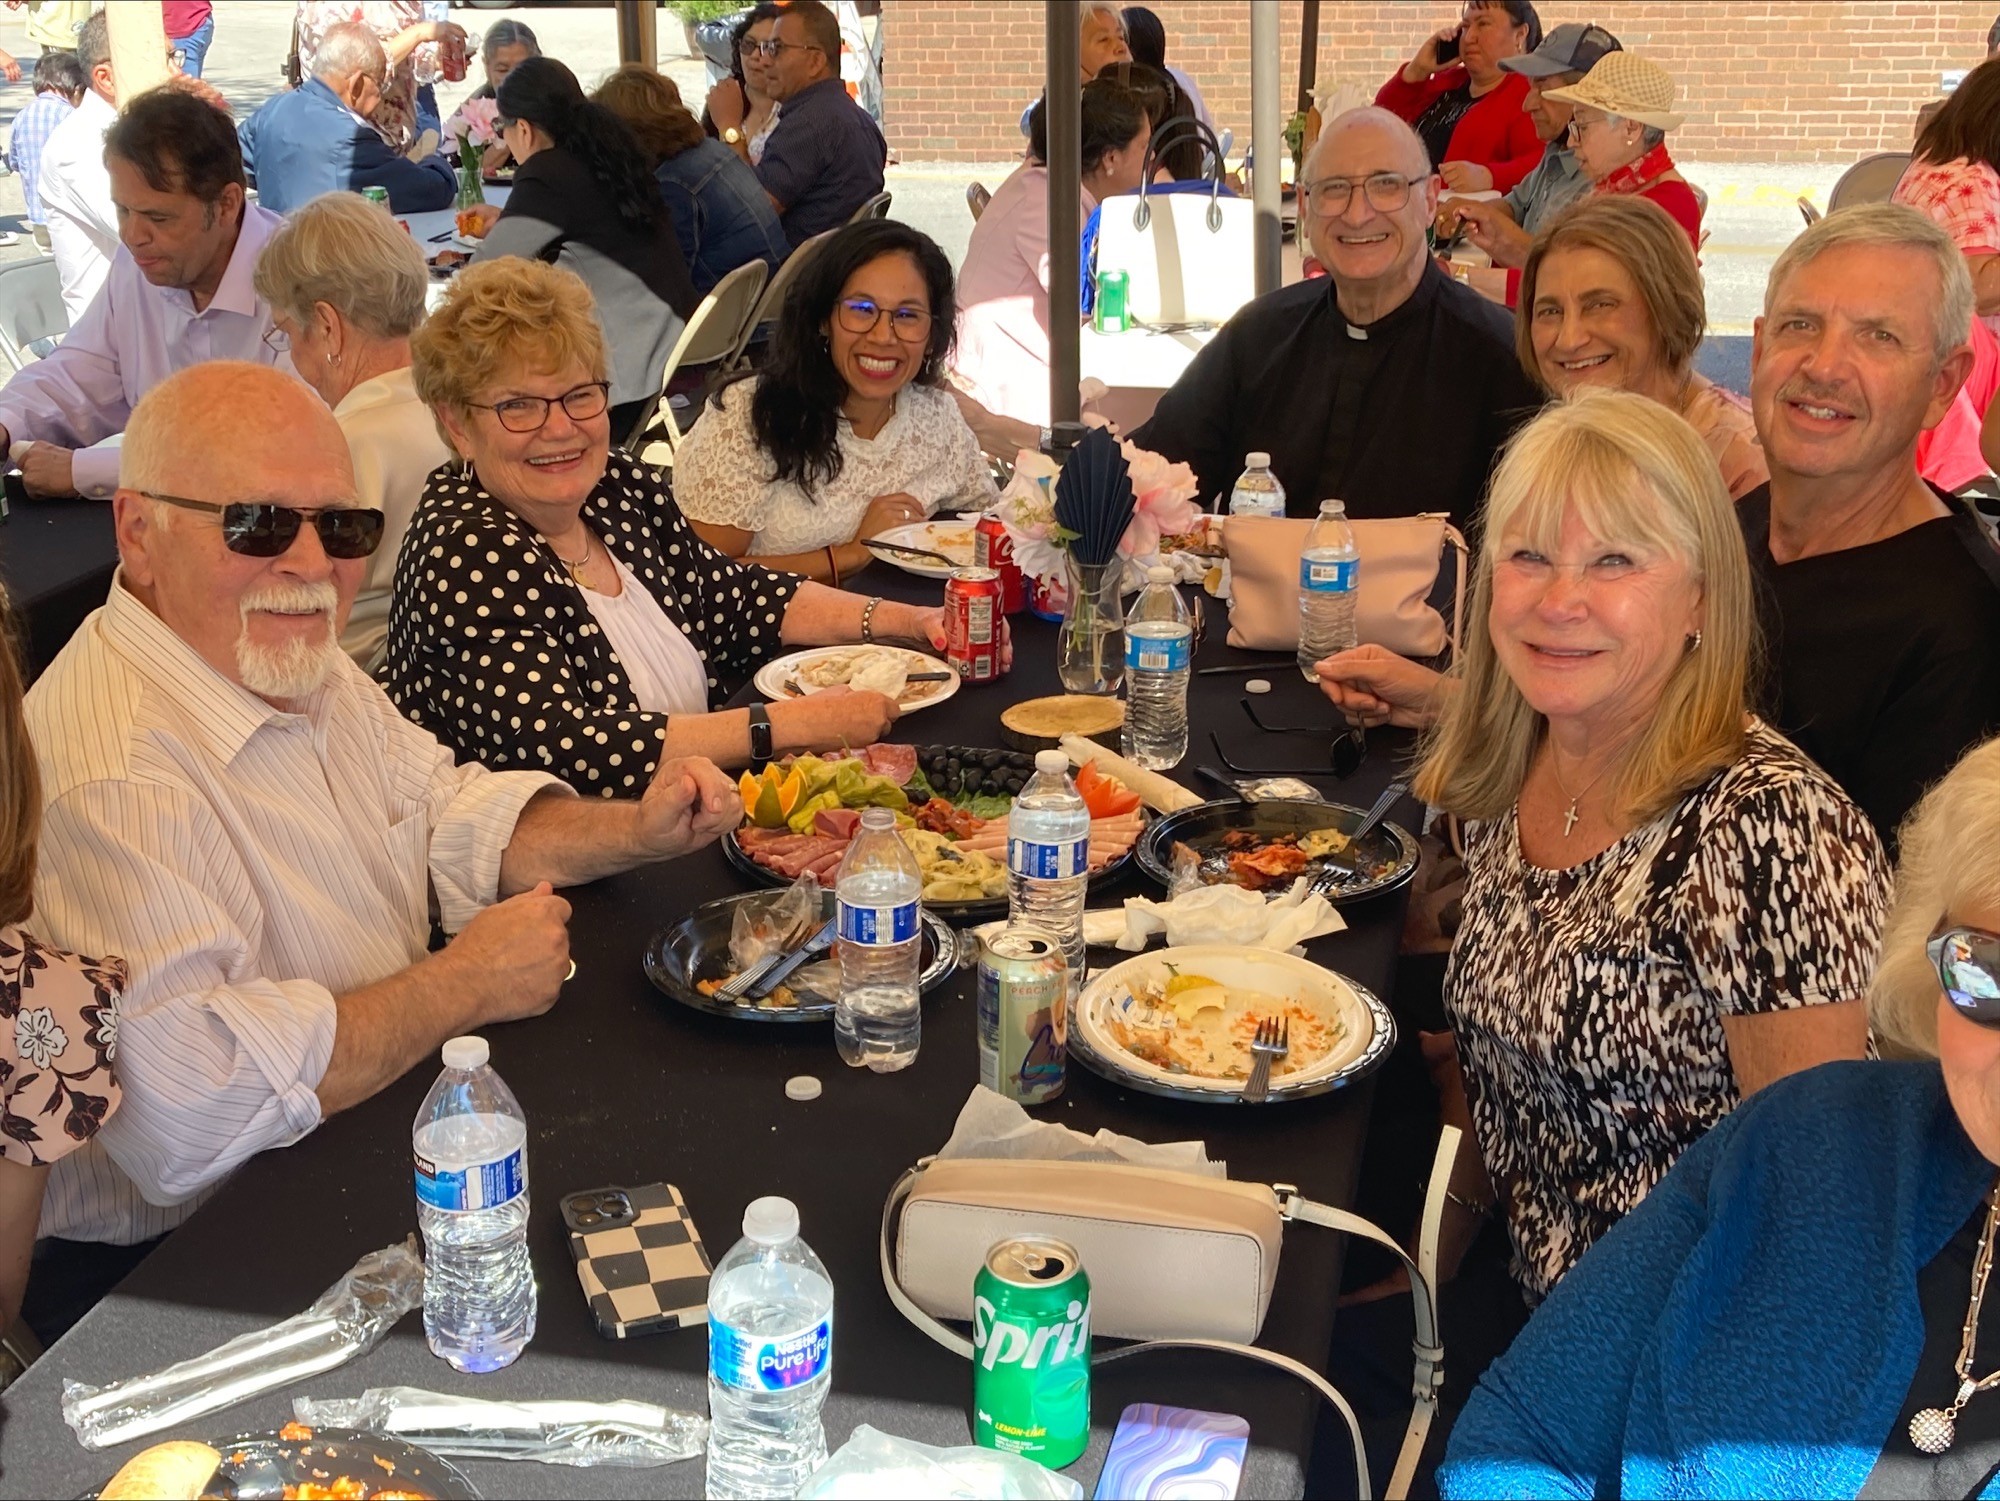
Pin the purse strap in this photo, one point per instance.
(1427, 1347)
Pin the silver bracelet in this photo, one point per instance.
(868, 620)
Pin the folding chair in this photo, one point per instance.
(875, 208)
(1870, 180)
(714, 330)
(774, 297)
(32, 320)
(976, 199)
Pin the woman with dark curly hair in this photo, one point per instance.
(585, 197)
(847, 429)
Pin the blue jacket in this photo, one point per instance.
(305, 142)
(721, 213)
(1751, 1329)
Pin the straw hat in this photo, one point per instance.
(1626, 85)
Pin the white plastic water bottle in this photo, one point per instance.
(878, 1019)
(770, 1358)
(1257, 491)
(1329, 574)
(471, 1146)
(1159, 653)
(1048, 858)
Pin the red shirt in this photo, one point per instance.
(184, 17)
(1643, 178)
(1948, 455)
(1495, 133)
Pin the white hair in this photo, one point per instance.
(297, 668)
(1894, 226)
(1103, 8)
(347, 48)
(342, 250)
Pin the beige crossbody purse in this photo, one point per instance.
(1176, 1261)
(1400, 559)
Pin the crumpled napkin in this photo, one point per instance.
(992, 1126)
(1229, 914)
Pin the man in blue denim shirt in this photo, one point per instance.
(825, 158)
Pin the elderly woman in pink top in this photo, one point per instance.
(1003, 285)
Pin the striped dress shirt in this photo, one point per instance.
(250, 865)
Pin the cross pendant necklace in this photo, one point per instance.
(1571, 815)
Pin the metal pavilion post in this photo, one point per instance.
(1267, 146)
(1064, 109)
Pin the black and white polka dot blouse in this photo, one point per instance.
(493, 648)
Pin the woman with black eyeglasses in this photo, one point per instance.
(1800, 1306)
(553, 610)
(847, 429)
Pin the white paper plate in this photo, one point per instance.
(774, 679)
(948, 537)
(1369, 1029)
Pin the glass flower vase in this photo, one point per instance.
(470, 188)
(1090, 644)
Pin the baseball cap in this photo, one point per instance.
(1573, 47)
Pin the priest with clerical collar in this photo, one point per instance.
(1386, 384)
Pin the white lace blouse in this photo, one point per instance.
(721, 476)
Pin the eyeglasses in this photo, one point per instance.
(1578, 124)
(277, 340)
(1386, 192)
(773, 47)
(1968, 967)
(527, 414)
(265, 529)
(860, 315)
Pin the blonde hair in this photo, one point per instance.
(1892, 226)
(342, 250)
(1636, 474)
(502, 314)
(1946, 867)
(20, 784)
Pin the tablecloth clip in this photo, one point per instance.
(1427, 1347)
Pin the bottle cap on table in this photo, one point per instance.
(771, 1221)
(802, 1087)
(466, 1053)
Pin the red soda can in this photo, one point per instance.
(452, 59)
(972, 615)
(992, 549)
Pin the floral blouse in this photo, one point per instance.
(1588, 1003)
(494, 649)
(396, 116)
(58, 1047)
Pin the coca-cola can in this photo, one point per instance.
(972, 616)
(992, 549)
(452, 56)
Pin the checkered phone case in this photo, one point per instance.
(645, 1275)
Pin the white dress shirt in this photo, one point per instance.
(395, 444)
(75, 189)
(249, 865)
(132, 337)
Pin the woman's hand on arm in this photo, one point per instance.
(886, 512)
(1372, 686)
(1466, 177)
(1985, 271)
(20, 1212)
(1002, 437)
(1766, 1046)
(833, 716)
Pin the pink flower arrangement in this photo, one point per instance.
(1164, 506)
(475, 121)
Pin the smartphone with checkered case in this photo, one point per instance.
(640, 1259)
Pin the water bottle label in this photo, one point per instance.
(1322, 577)
(485, 1185)
(878, 927)
(751, 1363)
(1048, 862)
(1158, 654)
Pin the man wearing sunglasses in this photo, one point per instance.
(266, 834)
(179, 292)
(1386, 384)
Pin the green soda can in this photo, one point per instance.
(1031, 1351)
(376, 195)
(1113, 290)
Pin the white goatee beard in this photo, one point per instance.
(297, 668)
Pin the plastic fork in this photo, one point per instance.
(1272, 1042)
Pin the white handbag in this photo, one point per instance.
(1175, 1261)
(1190, 257)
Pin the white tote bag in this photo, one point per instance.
(1190, 256)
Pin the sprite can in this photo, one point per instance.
(1031, 1351)
(1109, 316)
(376, 195)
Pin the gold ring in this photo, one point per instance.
(572, 972)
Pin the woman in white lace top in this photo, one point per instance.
(846, 431)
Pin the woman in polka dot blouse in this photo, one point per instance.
(552, 609)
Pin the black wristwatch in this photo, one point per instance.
(760, 735)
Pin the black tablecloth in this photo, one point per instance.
(56, 559)
(623, 1086)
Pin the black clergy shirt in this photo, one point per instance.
(1396, 419)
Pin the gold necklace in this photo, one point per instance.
(576, 568)
(1933, 1430)
(1555, 770)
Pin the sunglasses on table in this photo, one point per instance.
(265, 529)
(1346, 751)
(1968, 967)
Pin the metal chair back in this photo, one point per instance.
(1870, 180)
(875, 208)
(774, 296)
(711, 336)
(32, 320)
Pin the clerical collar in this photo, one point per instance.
(1636, 177)
(1422, 293)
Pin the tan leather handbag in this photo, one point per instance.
(1400, 559)
(1174, 1260)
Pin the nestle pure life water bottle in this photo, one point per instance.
(1048, 858)
(471, 1145)
(1257, 491)
(1329, 573)
(877, 1020)
(770, 1357)
(1159, 650)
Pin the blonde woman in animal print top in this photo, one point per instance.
(1667, 906)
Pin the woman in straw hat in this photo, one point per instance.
(1623, 109)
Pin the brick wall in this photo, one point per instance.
(1760, 80)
